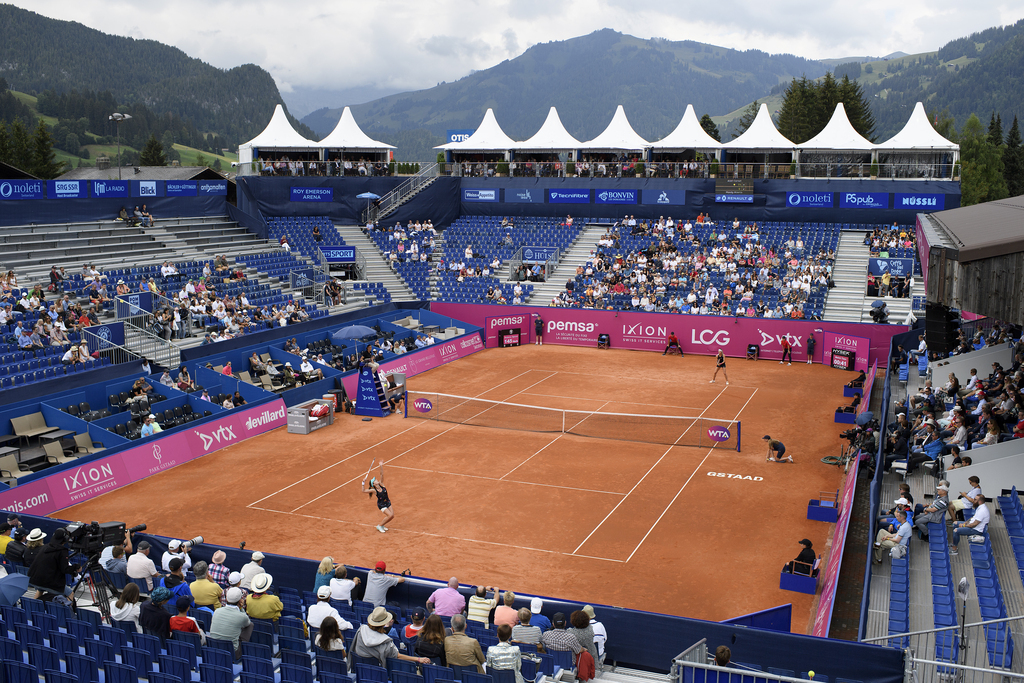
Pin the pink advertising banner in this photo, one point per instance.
(858, 346)
(524, 322)
(830, 580)
(428, 358)
(648, 331)
(79, 484)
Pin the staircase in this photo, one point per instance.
(848, 300)
(389, 203)
(377, 269)
(581, 251)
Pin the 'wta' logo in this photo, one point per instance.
(718, 434)
(423, 405)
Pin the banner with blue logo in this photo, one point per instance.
(339, 254)
(67, 189)
(21, 189)
(863, 200)
(479, 195)
(459, 135)
(734, 199)
(570, 196)
(102, 337)
(213, 187)
(899, 267)
(538, 254)
(814, 200)
(312, 194)
(180, 188)
(617, 196)
(666, 197)
(134, 304)
(929, 202)
(146, 188)
(515, 195)
(111, 188)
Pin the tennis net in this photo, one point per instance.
(654, 429)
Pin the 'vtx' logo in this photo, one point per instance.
(223, 435)
(768, 340)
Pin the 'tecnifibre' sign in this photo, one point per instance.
(812, 200)
(572, 196)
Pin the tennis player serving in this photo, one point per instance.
(383, 501)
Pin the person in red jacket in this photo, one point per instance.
(673, 343)
(787, 351)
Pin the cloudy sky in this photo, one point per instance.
(412, 44)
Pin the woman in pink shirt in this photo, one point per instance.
(506, 614)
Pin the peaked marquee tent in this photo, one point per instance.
(348, 136)
(689, 134)
(838, 134)
(618, 136)
(762, 136)
(278, 136)
(552, 137)
(488, 137)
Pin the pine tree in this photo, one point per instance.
(1013, 162)
(749, 114)
(858, 108)
(21, 149)
(5, 144)
(982, 165)
(153, 153)
(995, 130)
(44, 159)
(710, 128)
(796, 113)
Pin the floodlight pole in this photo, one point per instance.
(117, 119)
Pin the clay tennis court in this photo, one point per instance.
(636, 525)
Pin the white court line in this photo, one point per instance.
(445, 536)
(678, 493)
(343, 460)
(510, 481)
(552, 441)
(646, 379)
(625, 403)
(326, 493)
(667, 451)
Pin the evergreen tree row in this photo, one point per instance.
(808, 106)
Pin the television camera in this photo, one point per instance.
(90, 539)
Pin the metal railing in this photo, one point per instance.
(687, 665)
(965, 647)
(392, 200)
(548, 267)
(144, 343)
(115, 352)
(314, 168)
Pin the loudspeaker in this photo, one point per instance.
(941, 326)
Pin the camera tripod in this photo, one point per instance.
(95, 579)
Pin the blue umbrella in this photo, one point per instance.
(12, 587)
(367, 196)
(354, 332)
(878, 303)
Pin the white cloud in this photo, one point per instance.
(409, 44)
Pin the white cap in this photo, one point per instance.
(175, 544)
(234, 578)
(323, 592)
(902, 501)
(234, 596)
(257, 556)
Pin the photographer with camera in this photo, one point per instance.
(180, 549)
(114, 558)
(48, 573)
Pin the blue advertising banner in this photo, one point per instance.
(339, 254)
(479, 195)
(21, 189)
(459, 135)
(666, 197)
(734, 199)
(67, 189)
(538, 254)
(102, 337)
(312, 194)
(863, 200)
(133, 304)
(146, 188)
(213, 187)
(516, 195)
(570, 196)
(180, 188)
(111, 188)
(617, 196)
(810, 199)
(932, 202)
(900, 267)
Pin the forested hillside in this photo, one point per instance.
(39, 54)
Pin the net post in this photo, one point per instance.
(405, 404)
(739, 432)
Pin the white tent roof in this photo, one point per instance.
(348, 135)
(618, 135)
(488, 137)
(762, 134)
(839, 134)
(917, 134)
(279, 134)
(551, 136)
(689, 134)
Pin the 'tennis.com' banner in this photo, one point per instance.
(155, 454)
